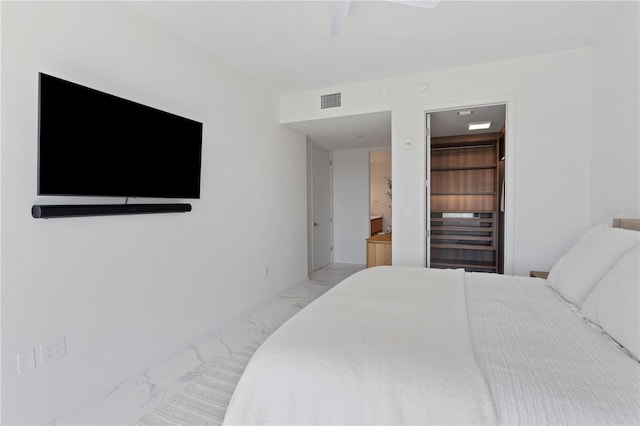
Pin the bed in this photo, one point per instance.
(403, 345)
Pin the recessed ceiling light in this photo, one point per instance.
(480, 126)
(465, 112)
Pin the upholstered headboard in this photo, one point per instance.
(626, 223)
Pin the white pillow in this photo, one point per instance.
(614, 303)
(576, 273)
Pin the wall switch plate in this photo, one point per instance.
(52, 350)
(265, 271)
(26, 361)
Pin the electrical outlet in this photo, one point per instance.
(52, 350)
(26, 361)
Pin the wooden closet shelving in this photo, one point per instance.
(464, 202)
(468, 243)
(466, 193)
(470, 167)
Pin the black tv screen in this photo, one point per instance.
(95, 144)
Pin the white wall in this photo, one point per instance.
(615, 150)
(548, 147)
(380, 168)
(350, 205)
(125, 289)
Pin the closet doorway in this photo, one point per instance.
(466, 188)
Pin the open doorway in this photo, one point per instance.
(348, 140)
(466, 191)
(380, 192)
(379, 243)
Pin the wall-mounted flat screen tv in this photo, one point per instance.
(95, 144)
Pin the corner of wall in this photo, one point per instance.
(615, 145)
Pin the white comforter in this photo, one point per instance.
(543, 362)
(362, 354)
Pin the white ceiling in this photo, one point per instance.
(374, 130)
(285, 45)
(351, 132)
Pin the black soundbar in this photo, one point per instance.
(49, 211)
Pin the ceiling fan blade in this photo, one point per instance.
(339, 12)
(425, 4)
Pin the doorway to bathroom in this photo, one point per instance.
(380, 192)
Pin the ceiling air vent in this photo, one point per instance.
(333, 100)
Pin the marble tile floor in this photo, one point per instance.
(140, 394)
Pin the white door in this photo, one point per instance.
(321, 208)
(428, 192)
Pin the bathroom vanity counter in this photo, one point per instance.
(379, 250)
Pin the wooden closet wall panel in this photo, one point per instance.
(459, 182)
(451, 157)
(459, 203)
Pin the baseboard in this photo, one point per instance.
(348, 262)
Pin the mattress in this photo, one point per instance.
(543, 362)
